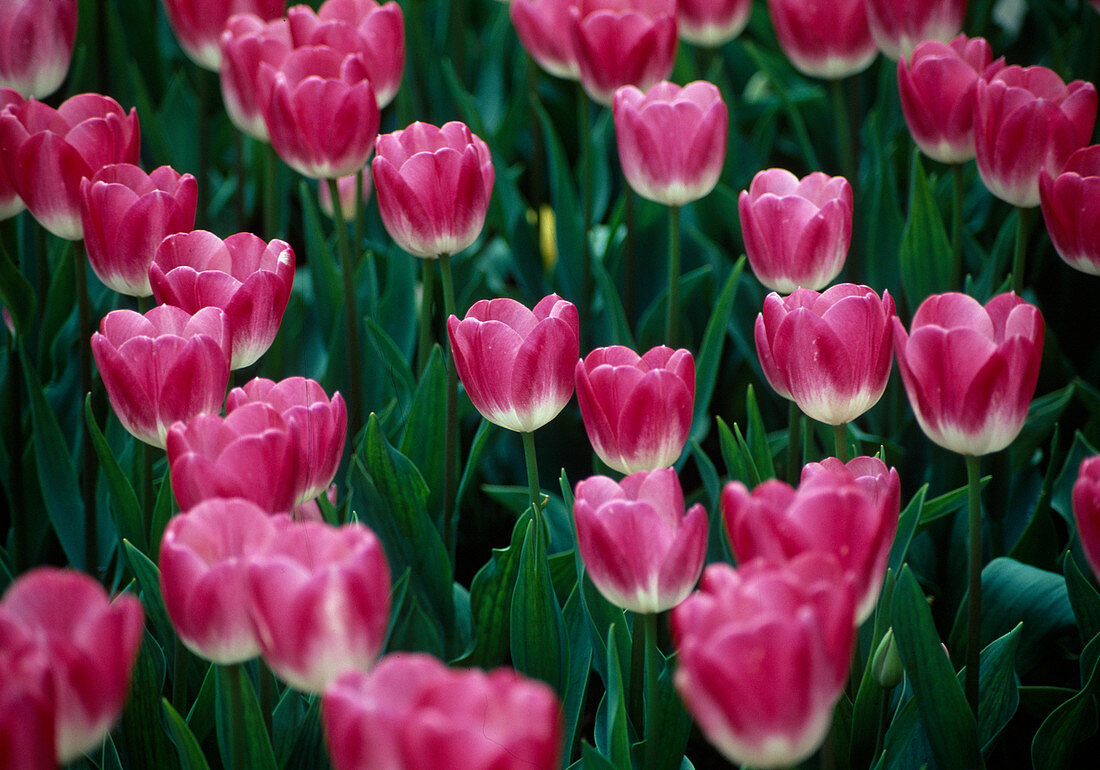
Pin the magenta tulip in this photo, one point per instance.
(898, 27)
(26, 704)
(796, 231)
(249, 279)
(829, 39)
(412, 712)
(36, 44)
(637, 410)
(1026, 120)
(672, 140)
(10, 202)
(247, 42)
(969, 371)
(433, 187)
(712, 23)
(1071, 208)
(163, 367)
(1086, 509)
(199, 23)
(345, 186)
(543, 26)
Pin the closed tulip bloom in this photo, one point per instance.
(797, 231)
(377, 32)
(10, 202)
(637, 410)
(433, 187)
(762, 656)
(412, 712)
(829, 39)
(970, 371)
(641, 550)
(247, 42)
(345, 185)
(543, 26)
(937, 84)
(1086, 509)
(26, 704)
(199, 23)
(712, 23)
(163, 367)
(517, 364)
(125, 214)
(1026, 120)
(672, 140)
(244, 276)
(830, 353)
(36, 44)
(898, 27)
(204, 557)
(1071, 208)
(322, 425)
(88, 642)
(320, 602)
(621, 43)
(46, 152)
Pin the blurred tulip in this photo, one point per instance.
(1027, 120)
(10, 202)
(712, 23)
(345, 185)
(1071, 208)
(830, 353)
(320, 601)
(898, 27)
(247, 42)
(357, 27)
(1086, 509)
(125, 214)
(163, 367)
(543, 26)
(672, 140)
(517, 364)
(623, 44)
(969, 371)
(796, 231)
(204, 558)
(412, 712)
(26, 704)
(637, 410)
(639, 547)
(199, 23)
(433, 187)
(249, 279)
(829, 39)
(937, 86)
(36, 44)
(46, 152)
(88, 645)
(762, 655)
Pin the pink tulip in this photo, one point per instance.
(543, 26)
(204, 559)
(937, 84)
(1071, 208)
(830, 353)
(623, 44)
(637, 410)
(412, 712)
(46, 152)
(1026, 120)
(639, 547)
(345, 186)
(249, 279)
(36, 44)
(199, 23)
(762, 656)
(969, 371)
(712, 23)
(828, 39)
(899, 27)
(125, 214)
(320, 111)
(163, 367)
(796, 231)
(433, 187)
(247, 42)
(357, 26)
(1086, 509)
(320, 602)
(321, 426)
(86, 643)
(251, 453)
(672, 140)
(10, 202)
(517, 364)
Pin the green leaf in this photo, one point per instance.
(736, 466)
(568, 216)
(16, 294)
(591, 759)
(237, 701)
(998, 693)
(148, 579)
(124, 503)
(757, 438)
(946, 504)
(710, 352)
(580, 665)
(391, 361)
(1071, 723)
(611, 723)
(674, 721)
(537, 630)
(328, 287)
(190, 752)
(163, 509)
(477, 447)
(907, 525)
(422, 439)
(145, 742)
(925, 252)
(1083, 598)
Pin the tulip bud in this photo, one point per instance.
(247, 42)
(829, 39)
(1086, 509)
(712, 23)
(1071, 209)
(898, 27)
(36, 45)
(543, 26)
(10, 202)
(198, 24)
(886, 665)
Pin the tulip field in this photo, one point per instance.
(596, 384)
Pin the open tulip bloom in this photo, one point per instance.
(1071, 209)
(36, 44)
(712, 23)
(898, 27)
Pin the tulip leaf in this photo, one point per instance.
(580, 665)
(237, 703)
(413, 630)
(870, 694)
(537, 629)
(674, 722)
(620, 326)
(757, 438)
(399, 380)
(1083, 598)
(1061, 500)
(946, 504)
(16, 294)
(908, 520)
(148, 580)
(53, 352)
(592, 759)
(163, 509)
(925, 252)
(190, 752)
(611, 731)
(710, 352)
(568, 216)
(124, 503)
(422, 438)
(145, 743)
(602, 615)
(327, 285)
(1072, 722)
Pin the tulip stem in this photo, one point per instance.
(268, 695)
(673, 317)
(450, 459)
(840, 441)
(794, 442)
(956, 224)
(652, 714)
(1023, 221)
(234, 682)
(355, 402)
(974, 601)
(270, 210)
(87, 451)
(427, 286)
(21, 553)
(532, 475)
(843, 132)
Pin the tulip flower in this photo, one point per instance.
(247, 42)
(433, 187)
(1071, 208)
(10, 202)
(26, 704)
(249, 279)
(345, 186)
(87, 643)
(320, 602)
(762, 655)
(198, 24)
(412, 712)
(125, 214)
(828, 39)
(712, 23)
(637, 410)
(163, 367)
(36, 44)
(543, 26)
(46, 152)
(898, 27)
(797, 231)
(1086, 509)
(641, 550)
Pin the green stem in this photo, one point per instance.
(89, 461)
(794, 443)
(355, 402)
(652, 712)
(268, 695)
(450, 441)
(673, 317)
(956, 224)
(242, 174)
(845, 147)
(1023, 221)
(883, 714)
(533, 476)
(359, 213)
(840, 441)
(234, 680)
(268, 192)
(21, 553)
(974, 572)
(427, 286)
